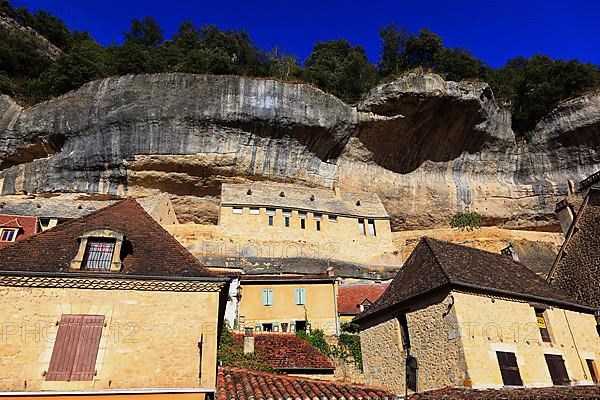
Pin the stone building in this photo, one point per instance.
(109, 301)
(14, 228)
(576, 270)
(462, 317)
(288, 303)
(331, 223)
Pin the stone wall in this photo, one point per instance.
(150, 339)
(435, 342)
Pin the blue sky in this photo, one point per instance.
(494, 31)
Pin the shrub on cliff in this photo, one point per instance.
(466, 220)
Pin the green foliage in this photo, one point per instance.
(316, 338)
(466, 220)
(349, 348)
(341, 69)
(350, 327)
(231, 352)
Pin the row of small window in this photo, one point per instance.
(303, 215)
(299, 296)
(511, 376)
(294, 326)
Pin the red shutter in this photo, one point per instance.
(87, 349)
(65, 348)
(76, 348)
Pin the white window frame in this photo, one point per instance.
(300, 296)
(361, 227)
(237, 210)
(254, 211)
(267, 297)
(14, 231)
(371, 227)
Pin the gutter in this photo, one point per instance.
(108, 392)
(109, 275)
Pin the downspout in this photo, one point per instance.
(575, 344)
(337, 318)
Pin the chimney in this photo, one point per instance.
(249, 341)
(564, 212)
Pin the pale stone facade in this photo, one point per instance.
(150, 338)
(456, 340)
(319, 309)
(434, 342)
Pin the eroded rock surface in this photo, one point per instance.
(428, 147)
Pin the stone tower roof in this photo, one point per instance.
(278, 195)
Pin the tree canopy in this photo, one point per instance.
(529, 87)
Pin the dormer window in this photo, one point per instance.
(98, 254)
(8, 234)
(100, 251)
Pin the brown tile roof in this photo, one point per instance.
(27, 226)
(575, 270)
(435, 265)
(547, 393)
(149, 249)
(288, 352)
(247, 278)
(240, 384)
(352, 295)
(299, 198)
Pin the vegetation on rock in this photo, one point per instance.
(529, 87)
(231, 353)
(466, 221)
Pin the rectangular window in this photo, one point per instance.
(270, 211)
(404, 334)
(300, 296)
(558, 371)
(332, 218)
(267, 297)
(361, 226)
(593, 373)
(318, 225)
(267, 327)
(287, 213)
(286, 222)
(509, 369)
(8, 235)
(371, 224)
(98, 254)
(75, 348)
(541, 322)
(270, 220)
(303, 224)
(302, 214)
(254, 211)
(300, 326)
(317, 216)
(237, 210)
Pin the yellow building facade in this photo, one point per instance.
(288, 303)
(314, 223)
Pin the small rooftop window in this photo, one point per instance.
(99, 250)
(8, 235)
(98, 254)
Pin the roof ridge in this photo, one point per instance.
(436, 258)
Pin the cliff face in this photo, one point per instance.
(428, 147)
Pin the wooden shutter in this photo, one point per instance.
(509, 369)
(591, 367)
(302, 296)
(267, 297)
(76, 348)
(87, 348)
(65, 348)
(558, 371)
(296, 296)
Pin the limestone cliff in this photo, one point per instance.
(428, 147)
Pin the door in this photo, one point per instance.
(558, 371)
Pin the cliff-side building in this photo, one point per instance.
(576, 270)
(288, 303)
(462, 317)
(342, 225)
(110, 302)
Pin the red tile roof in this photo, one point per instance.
(240, 384)
(28, 226)
(547, 393)
(287, 352)
(351, 296)
(148, 249)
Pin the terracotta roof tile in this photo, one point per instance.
(547, 393)
(28, 226)
(352, 295)
(241, 384)
(286, 352)
(150, 250)
(435, 264)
